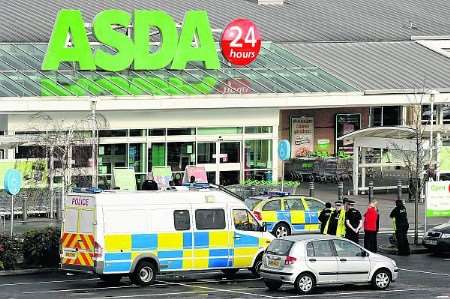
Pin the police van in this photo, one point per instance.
(143, 233)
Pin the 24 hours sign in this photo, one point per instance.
(438, 199)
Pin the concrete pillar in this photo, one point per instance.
(355, 169)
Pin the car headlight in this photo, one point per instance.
(445, 236)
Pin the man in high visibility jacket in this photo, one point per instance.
(336, 222)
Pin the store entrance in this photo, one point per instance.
(222, 161)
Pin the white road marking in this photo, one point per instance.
(442, 297)
(351, 293)
(45, 282)
(425, 272)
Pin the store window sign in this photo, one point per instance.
(302, 136)
(174, 52)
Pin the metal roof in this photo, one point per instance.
(296, 20)
(276, 70)
(379, 65)
(382, 132)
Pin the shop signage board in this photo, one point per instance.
(196, 171)
(284, 150)
(241, 41)
(346, 123)
(302, 136)
(444, 159)
(34, 172)
(438, 199)
(124, 178)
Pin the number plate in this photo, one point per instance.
(274, 263)
(70, 254)
(431, 242)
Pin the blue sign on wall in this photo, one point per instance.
(284, 150)
(13, 181)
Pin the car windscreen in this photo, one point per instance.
(280, 247)
(252, 202)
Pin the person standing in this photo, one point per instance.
(371, 226)
(401, 227)
(324, 216)
(336, 220)
(353, 222)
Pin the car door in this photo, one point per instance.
(269, 213)
(322, 260)
(312, 210)
(247, 236)
(296, 210)
(353, 262)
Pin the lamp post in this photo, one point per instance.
(94, 142)
(433, 94)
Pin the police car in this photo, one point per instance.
(284, 214)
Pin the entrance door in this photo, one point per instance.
(222, 161)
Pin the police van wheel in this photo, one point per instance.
(256, 266)
(281, 230)
(144, 274)
(111, 278)
(229, 273)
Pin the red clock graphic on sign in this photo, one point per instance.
(240, 42)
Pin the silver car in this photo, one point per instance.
(309, 260)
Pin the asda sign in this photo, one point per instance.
(175, 51)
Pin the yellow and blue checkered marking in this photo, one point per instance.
(298, 220)
(182, 250)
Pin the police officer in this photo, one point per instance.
(401, 227)
(324, 216)
(353, 222)
(333, 222)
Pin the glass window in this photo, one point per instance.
(252, 202)
(280, 247)
(258, 154)
(243, 220)
(258, 130)
(322, 249)
(231, 177)
(26, 152)
(210, 219)
(310, 249)
(180, 154)
(274, 205)
(181, 131)
(259, 175)
(294, 204)
(82, 155)
(347, 249)
(111, 156)
(157, 132)
(112, 133)
(230, 152)
(137, 132)
(314, 204)
(136, 156)
(219, 131)
(206, 152)
(182, 220)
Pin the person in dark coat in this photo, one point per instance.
(324, 216)
(332, 225)
(400, 217)
(149, 183)
(353, 222)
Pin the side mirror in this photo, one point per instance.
(364, 253)
(263, 228)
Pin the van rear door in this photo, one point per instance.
(77, 234)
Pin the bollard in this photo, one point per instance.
(340, 190)
(399, 189)
(24, 210)
(370, 191)
(311, 189)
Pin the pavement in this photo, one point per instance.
(421, 276)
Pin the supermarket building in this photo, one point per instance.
(325, 80)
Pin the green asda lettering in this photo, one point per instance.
(174, 51)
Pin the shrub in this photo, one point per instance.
(9, 252)
(41, 247)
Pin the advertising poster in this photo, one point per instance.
(302, 136)
(444, 159)
(162, 176)
(438, 199)
(124, 179)
(346, 124)
(196, 171)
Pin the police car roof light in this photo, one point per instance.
(278, 193)
(197, 185)
(87, 190)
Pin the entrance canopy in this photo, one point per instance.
(384, 138)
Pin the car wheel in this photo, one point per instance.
(111, 278)
(281, 230)
(257, 266)
(272, 285)
(381, 279)
(144, 274)
(304, 284)
(229, 273)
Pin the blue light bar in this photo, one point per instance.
(278, 193)
(87, 190)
